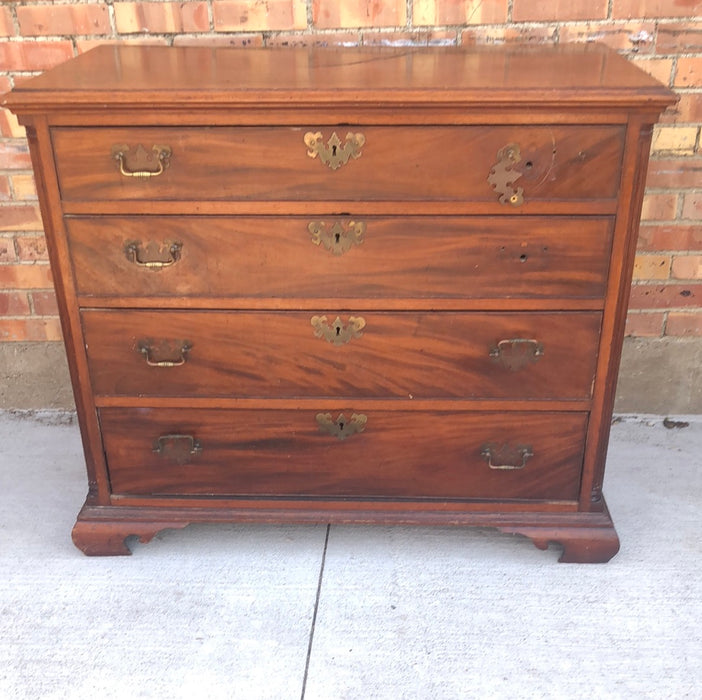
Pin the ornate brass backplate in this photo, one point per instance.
(337, 333)
(503, 175)
(506, 456)
(337, 238)
(517, 353)
(139, 254)
(177, 448)
(141, 163)
(334, 153)
(341, 428)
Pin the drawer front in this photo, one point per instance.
(411, 454)
(393, 354)
(337, 258)
(394, 163)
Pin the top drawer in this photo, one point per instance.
(432, 163)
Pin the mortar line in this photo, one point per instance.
(314, 614)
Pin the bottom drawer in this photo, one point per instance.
(355, 451)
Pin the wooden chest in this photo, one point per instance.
(358, 285)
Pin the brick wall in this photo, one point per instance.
(664, 37)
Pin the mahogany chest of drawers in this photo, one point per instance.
(358, 285)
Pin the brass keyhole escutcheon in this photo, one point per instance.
(334, 153)
(504, 174)
(338, 238)
(337, 333)
(341, 428)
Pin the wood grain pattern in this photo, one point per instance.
(400, 257)
(400, 354)
(397, 163)
(399, 454)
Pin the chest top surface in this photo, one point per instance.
(568, 75)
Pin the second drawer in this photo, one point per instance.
(342, 354)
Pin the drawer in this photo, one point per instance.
(376, 354)
(400, 163)
(410, 454)
(337, 258)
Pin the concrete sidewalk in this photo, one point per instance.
(254, 611)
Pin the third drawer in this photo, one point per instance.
(525, 355)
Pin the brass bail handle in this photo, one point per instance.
(180, 448)
(137, 255)
(517, 353)
(146, 348)
(506, 457)
(142, 161)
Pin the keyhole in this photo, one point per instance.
(338, 330)
(523, 257)
(337, 237)
(333, 150)
(341, 426)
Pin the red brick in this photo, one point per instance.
(692, 206)
(5, 83)
(330, 14)
(161, 17)
(659, 68)
(679, 37)
(674, 173)
(670, 237)
(417, 38)
(524, 34)
(689, 72)
(35, 276)
(259, 17)
(46, 20)
(438, 12)
(34, 55)
(14, 304)
(651, 267)
(14, 155)
(687, 267)
(44, 303)
(23, 186)
(635, 37)
(683, 324)
(657, 296)
(231, 40)
(659, 207)
(7, 26)
(5, 193)
(31, 248)
(558, 10)
(29, 329)
(625, 9)
(24, 217)
(688, 109)
(644, 324)
(7, 250)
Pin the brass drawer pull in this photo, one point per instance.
(333, 153)
(516, 353)
(337, 333)
(141, 161)
(341, 428)
(503, 175)
(145, 347)
(506, 457)
(136, 255)
(176, 447)
(337, 239)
